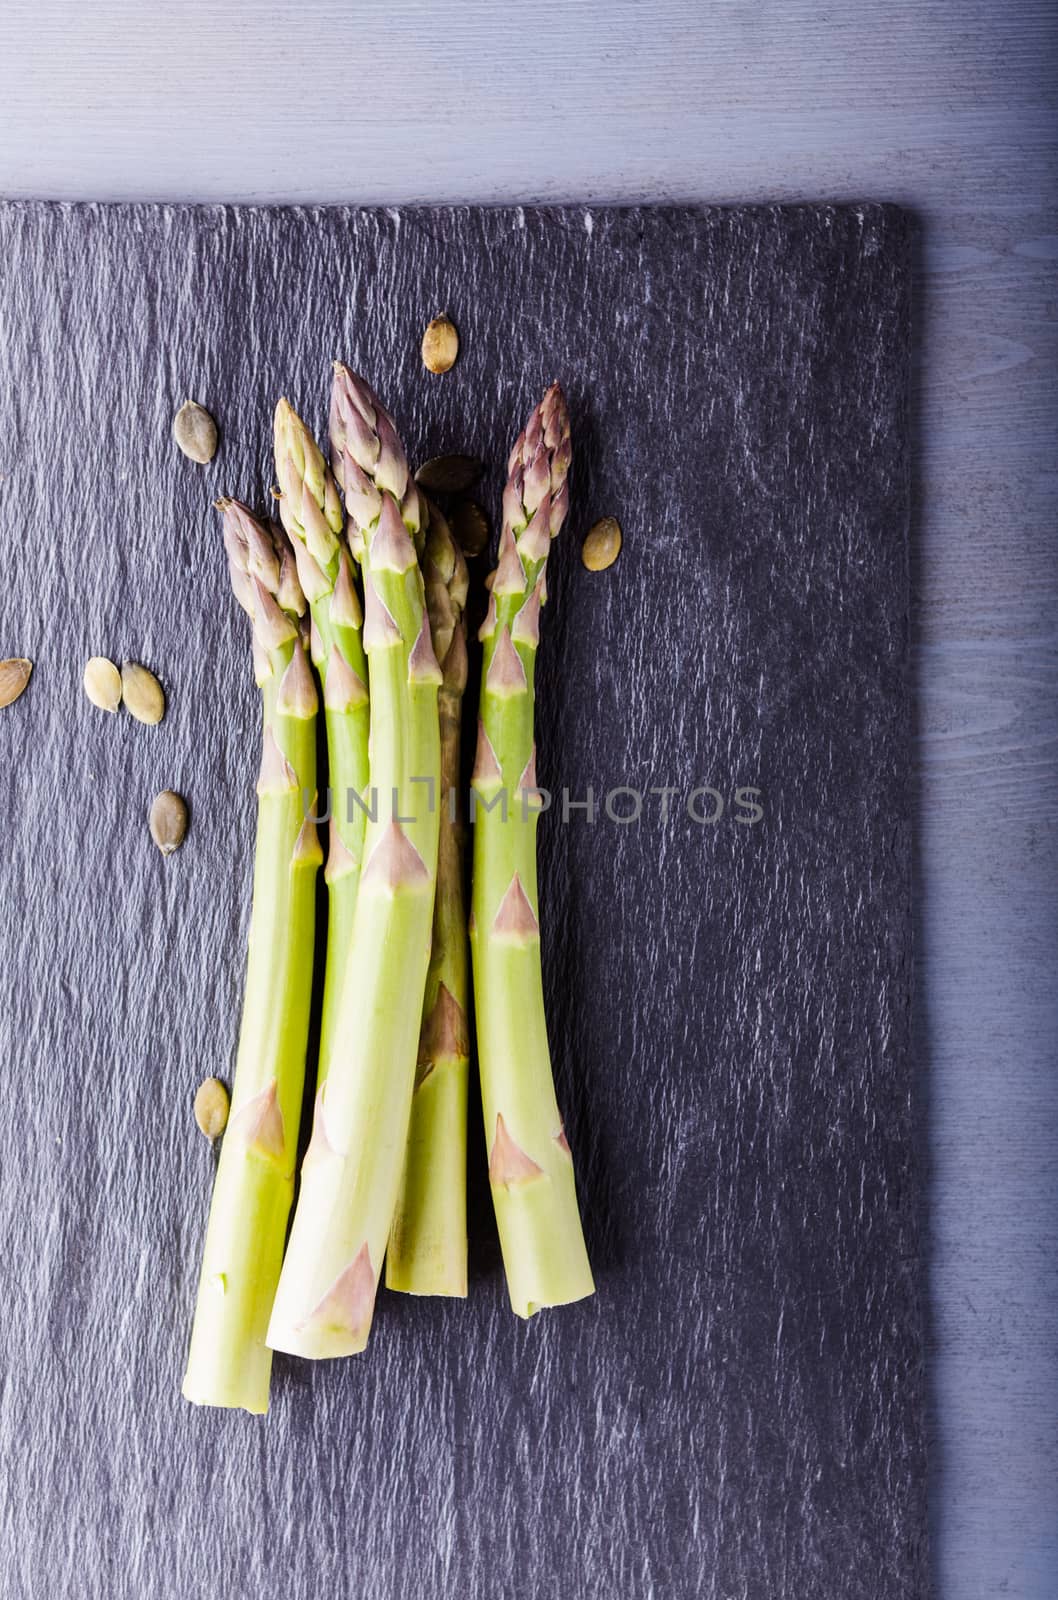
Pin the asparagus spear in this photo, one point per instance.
(428, 1242)
(530, 1164)
(312, 516)
(351, 1172)
(229, 1363)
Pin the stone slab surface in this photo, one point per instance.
(738, 1412)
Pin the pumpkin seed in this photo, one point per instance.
(440, 345)
(14, 675)
(471, 527)
(142, 692)
(448, 474)
(602, 545)
(102, 683)
(195, 432)
(167, 821)
(211, 1107)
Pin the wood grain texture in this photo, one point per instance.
(738, 1411)
(949, 108)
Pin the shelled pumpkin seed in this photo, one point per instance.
(142, 692)
(602, 544)
(14, 675)
(102, 683)
(212, 1104)
(440, 345)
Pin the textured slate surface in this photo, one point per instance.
(737, 1413)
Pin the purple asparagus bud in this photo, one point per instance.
(368, 458)
(263, 575)
(536, 498)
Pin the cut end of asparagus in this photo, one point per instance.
(234, 1395)
(545, 1259)
(340, 1323)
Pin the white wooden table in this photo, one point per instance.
(950, 108)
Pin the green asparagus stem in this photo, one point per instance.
(351, 1171)
(312, 516)
(428, 1242)
(530, 1165)
(229, 1363)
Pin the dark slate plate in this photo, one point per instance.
(737, 1412)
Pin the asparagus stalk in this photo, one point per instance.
(428, 1242)
(312, 516)
(229, 1363)
(351, 1172)
(530, 1164)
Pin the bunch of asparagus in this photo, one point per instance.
(374, 596)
